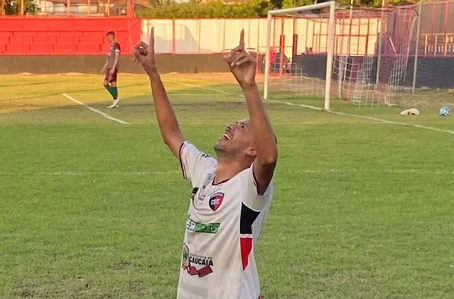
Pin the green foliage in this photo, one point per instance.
(253, 9)
(167, 9)
(14, 7)
(370, 3)
(295, 3)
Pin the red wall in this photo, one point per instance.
(65, 36)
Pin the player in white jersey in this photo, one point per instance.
(230, 195)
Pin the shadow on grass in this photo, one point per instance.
(195, 98)
(139, 102)
(207, 100)
(60, 92)
(29, 84)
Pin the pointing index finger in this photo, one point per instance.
(151, 45)
(242, 39)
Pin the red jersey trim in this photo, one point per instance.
(246, 249)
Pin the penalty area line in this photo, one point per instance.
(206, 88)
(374, 119)
(392, 122)
(105, 115)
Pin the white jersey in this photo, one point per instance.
(223, 221)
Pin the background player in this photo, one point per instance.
(110, 69)
(229, 192)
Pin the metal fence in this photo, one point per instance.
(393, 56)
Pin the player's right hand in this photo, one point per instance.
(242, 64)
(145, 54)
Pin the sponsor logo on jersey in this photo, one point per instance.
(196, 264)
(216, 201)
(209, 228)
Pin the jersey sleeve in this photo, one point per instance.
(117, 48)
(194, 162)
(252, 199)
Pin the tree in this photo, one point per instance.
(12, 7)
(168, 9)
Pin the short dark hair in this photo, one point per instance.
(110, 32)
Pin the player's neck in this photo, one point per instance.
(226, 170)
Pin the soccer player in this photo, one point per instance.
(231, 194)
(110, 69)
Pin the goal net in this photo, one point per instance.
(318, 53)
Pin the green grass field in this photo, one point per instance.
(92, 208)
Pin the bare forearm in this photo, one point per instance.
(167, 120)
(168, 124)
(166, 117)
(262, 131)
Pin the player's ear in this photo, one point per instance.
(251, 151)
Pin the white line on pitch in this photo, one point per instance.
(339, 113)
(292, 104)
(95, 110)
(206, 88)
(392, 122)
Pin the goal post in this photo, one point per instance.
(329, 51)
(326, 53)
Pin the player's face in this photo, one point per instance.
(110, 38)
(236, 140)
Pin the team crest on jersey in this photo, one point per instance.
(189, 261)
(216, 201)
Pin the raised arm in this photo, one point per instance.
(243, 67)
(168, 124)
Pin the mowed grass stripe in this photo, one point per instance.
(361, 209)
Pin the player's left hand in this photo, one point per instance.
(112, 71)
(145, 55)
(242, 64)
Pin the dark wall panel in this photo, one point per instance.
(433, 72)
(167, 63)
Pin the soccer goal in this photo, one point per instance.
(322, 52)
